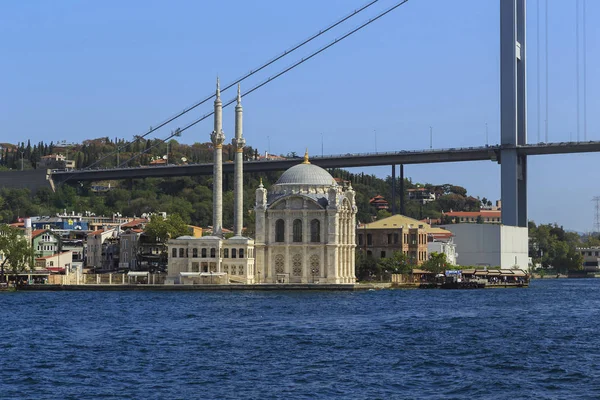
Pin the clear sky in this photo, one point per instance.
(77, 70)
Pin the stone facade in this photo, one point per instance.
(305, 228)
(192, 258)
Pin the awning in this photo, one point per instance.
(137, 273)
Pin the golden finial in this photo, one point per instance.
(306, 157)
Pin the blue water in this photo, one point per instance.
(538, 343)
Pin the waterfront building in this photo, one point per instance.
(55, 263)
(380, 239)
(305, 228)
(45, 242)
(213, 259)
(444, 246)
(591, 258)
(491, 245)
(95, 242)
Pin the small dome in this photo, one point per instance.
(306, 174)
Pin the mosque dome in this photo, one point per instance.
(306, 174)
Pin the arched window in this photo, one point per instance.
(241, 253)
(174, 253)
(297, 230)
(212, 252)
(204, 252)
(226, 253)
(195, 253)
(233, 253)
(315, 231)
(181, 252)
(280, 231)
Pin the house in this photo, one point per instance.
(56, 161)
(45, 242)
(420, 194)
(55, 263)
(481, 216)
(379, 202)
(382, 238)
(591, 258)
(95, 241)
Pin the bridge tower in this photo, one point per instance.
(513, 110)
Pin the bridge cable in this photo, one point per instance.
(247, 75)
(178, 131)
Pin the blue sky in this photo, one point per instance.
(77, 70)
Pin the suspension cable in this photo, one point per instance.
(242, 78)
(178, 131)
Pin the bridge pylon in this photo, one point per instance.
(513, 106)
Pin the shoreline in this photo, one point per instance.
(207, 287)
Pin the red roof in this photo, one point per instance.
(38, 232)
(96, 232)
(134, 223)
(474, 214)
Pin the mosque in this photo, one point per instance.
(305, 227)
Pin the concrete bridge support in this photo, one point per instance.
(513, 119)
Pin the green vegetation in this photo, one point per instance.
(554, 248)
(436, 263)
(17, 253)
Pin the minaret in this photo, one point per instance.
(238, 143)
(217, 138)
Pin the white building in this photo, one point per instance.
(305, 228)
(94, 246)
(491, 245)
(447, 247)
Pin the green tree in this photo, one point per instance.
(17, 252)
(437, 263)
(367, 267)
(396, 264)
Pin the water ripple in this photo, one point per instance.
(536, 343)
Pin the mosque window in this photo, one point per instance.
(181, 252)
(297, 265)
(212, 252)
(297, 231)
(315, 231)
(203, 252)
(279, 230)
(279, 263)
(241, 253)
(174, 253)
(233, 253)
(226, 253)
(240, 270)
(195, 253)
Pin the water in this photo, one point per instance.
(539, 343)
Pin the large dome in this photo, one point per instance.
(306, 174)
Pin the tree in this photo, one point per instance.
(162, 229)
(396, 264)
(437, 263)
(366, 266)
(18, 253)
